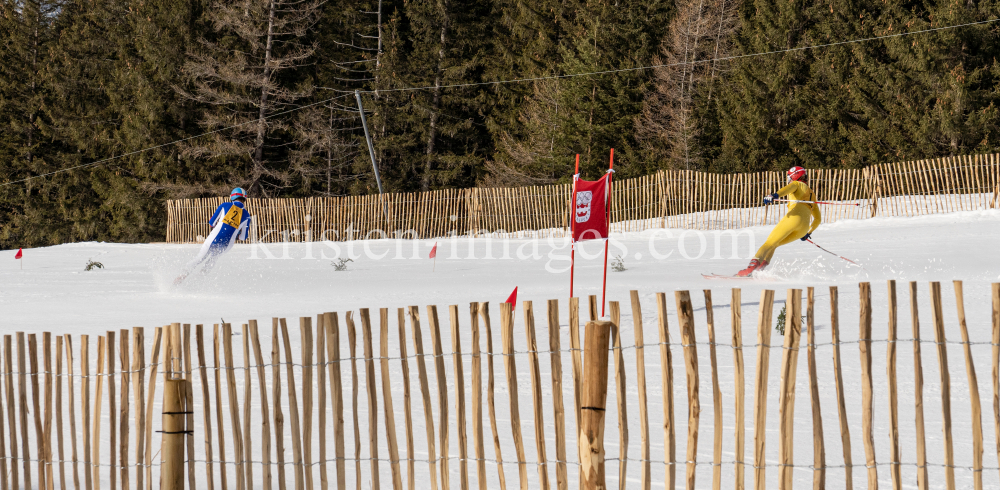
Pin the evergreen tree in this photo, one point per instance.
(588, 114)
(688, 66)
(27, 30)
(921, 96)
(431, 138)
(774, 109)
(930, 95)
(330, 157)
(242, 75)
(525, 43)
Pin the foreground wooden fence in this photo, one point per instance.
(671, 199)
(301, 400)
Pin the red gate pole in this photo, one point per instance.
(572, 228)
(607, 210)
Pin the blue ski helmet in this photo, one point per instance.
(237, 193)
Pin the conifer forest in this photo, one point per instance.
(110, 107)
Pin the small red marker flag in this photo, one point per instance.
(433, 255)
(18, 254)
(512, 299)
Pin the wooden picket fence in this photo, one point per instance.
(666, 199)
(301, 400)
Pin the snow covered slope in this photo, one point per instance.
(134, 288)
(53, 293)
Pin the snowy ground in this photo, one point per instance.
(53, 293)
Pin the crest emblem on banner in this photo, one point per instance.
(583, 199)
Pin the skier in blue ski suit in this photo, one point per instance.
(230, 222)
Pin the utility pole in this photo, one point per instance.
(371, 152)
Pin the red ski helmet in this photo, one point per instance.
(796, 173)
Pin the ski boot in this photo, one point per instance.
(754, 266)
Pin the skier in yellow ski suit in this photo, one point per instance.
(794, 226)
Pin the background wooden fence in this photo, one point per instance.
(300, 408)
(671, 199)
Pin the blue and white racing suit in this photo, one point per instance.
(230, 222)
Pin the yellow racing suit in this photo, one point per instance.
(795, 224)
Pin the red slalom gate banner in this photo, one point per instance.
(590, 218)
(591, 212)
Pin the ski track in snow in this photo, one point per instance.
(53, 293)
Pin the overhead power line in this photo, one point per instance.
(162, 145)
(694, 62)
(500, 82)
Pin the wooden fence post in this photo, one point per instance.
(189, 393)
(293, 410)
(8, 374)
(306, 337)
(324, 480)
(576, 355)
(716, 395)
(786, 398)
(536, 394)
(47, 420)
(942, 348)
(597, 336)
(976, 407)
(996, 363)
(59, 419)
(510, 368)
(685, 316)
(388, 412)
(206, 401)
(279, 417)
(819, 450)
(477, 397)
(330, 323)
(150, 395)
(265, 414)
(247, 410)
(845, 429)
(220, 427)
(867, 413)
(640, 362)
(418, 350)
(918, 392)
(760, 398)
(558, 410)
(3, 449)
(95, 440)
(484, 312)
(39, 432)
(616, 341)
(175, 408)
(890, 368)
(123, 421)
(442, 385)
(366, 333)
(667, 382)
(736, 318)
(234, 409)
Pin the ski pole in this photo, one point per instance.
(831, 253)
(821, 202)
